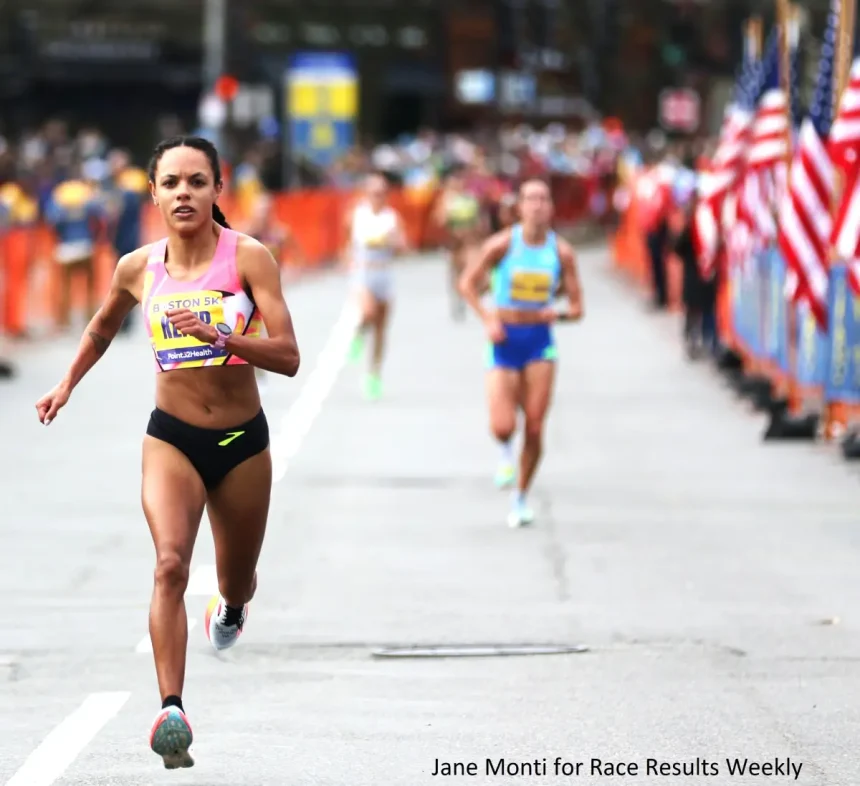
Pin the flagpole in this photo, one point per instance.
(782, 13)
(844, 48)
(788, 19)
(841, 72)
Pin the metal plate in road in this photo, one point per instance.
(479, 650)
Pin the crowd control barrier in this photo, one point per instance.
(775, 353)
(30, 278)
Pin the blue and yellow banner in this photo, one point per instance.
(776, 327)
(812, 348)
(843, 367)
(747, 292)
(321, 105)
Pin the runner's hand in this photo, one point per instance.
(570, 313)
(495, 329)
(48, 406)
(189, 324)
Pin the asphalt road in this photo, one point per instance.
(696, 564)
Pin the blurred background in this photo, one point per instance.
(80, 76)
(304, 98)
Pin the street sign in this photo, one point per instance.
(321, 105)
(680, 110)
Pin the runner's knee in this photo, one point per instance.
(171, 572)
(533, 430)
(503, 425)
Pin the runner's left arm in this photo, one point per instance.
(401, 241)
(570, 281)
(279, 351)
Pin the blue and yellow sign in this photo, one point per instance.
(322, 105)
(812, 348)
(843, 367)
(776, 327)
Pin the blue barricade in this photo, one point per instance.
(813, 348)
(774, 277)
(842, 380)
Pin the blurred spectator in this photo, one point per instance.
(248, 181)
(698, 294)
(76, 214)
(124, 190)
(265, 226)
(654, 197)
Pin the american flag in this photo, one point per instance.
(845, 134)
(765, 179)
(844, 149)
(805, 225)
(755, 224)
(734, 135)
(717, 185)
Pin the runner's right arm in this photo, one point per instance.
(476, 274)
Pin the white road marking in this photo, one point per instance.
(145, 645)
(62, 746)
(204, 581)
(297, 422)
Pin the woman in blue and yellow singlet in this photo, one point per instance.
(526, 263)
(460, 214)
(206, 293)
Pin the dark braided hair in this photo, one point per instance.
(197, 143)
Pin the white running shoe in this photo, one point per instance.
(505, 476)
(521, 515)
(171, 737)
(224, 626)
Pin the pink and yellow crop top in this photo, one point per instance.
(216, 296)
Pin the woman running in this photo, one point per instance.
(376, 235)
(460, 214)
(204, 291)
(529, 259)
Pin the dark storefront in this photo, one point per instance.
(125, 64)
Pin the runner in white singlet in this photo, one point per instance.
(376, 236)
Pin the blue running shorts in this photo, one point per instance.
(523, 344)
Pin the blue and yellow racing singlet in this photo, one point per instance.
(462, 211)
(527, 277)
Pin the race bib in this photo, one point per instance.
(531, 286)
(171, 346)
(377, 240)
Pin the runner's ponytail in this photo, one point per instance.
(219, 216)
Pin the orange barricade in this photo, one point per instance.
(30, 278)
(15, 250)
(630, 256)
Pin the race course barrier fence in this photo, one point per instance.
(30, 277)
(774, 352)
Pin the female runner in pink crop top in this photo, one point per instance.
(205, 291)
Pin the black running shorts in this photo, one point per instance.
(212, 452)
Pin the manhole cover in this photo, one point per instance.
(479, 650)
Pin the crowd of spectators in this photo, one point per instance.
(39, 167)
